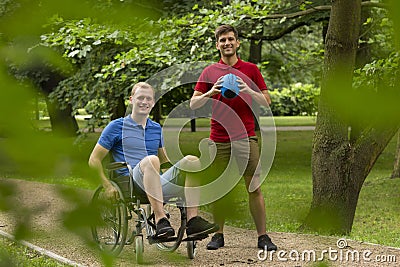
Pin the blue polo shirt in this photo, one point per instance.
(129, 142)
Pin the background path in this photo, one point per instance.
(240, 250)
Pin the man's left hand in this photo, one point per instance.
(244, 88)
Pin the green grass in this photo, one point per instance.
(278, 120)
(293, 120)
(288, 191)
(288, 187)
(44, 124)
(12, 254)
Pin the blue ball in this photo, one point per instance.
(230, 86)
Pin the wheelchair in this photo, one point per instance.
(112, 230)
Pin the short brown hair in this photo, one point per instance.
(141, 85)
(225, 29)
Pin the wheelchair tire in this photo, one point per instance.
(139, 249)
(177, 218)
(111, 227)
(191, 249)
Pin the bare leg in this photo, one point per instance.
(257, 208)
(219, 217)
(191, 163)
(150, 167)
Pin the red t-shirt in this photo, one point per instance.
(233, 118)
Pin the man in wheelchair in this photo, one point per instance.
(138, 140)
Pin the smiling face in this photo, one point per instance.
(142, 100)
(227, 44)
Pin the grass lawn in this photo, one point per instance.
(12, 254)
(293, 120)
(203, 122)
(287, 188)
(278, 121)
(288, 191)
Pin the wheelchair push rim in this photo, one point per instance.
(111, 227)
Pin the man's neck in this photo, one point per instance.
(230, 61)
(140, 119)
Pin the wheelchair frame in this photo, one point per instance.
(111, 231)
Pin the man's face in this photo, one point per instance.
(227, 44)
(142, 101)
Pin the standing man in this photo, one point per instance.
(138, 140)
(234, 135)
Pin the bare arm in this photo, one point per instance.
(165, 162)
(95, 162)
(199, 99)
(261, 98)
(162, 155)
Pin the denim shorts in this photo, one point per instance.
(172, 181)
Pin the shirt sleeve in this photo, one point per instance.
(109, 136)
(203, 84)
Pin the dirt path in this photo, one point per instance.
(240, 250)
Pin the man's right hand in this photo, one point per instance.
(216, 89)
(199, 99)
(111, 192)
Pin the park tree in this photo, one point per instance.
(341, 161)
(110, 65)
(396, 165)
(110, 53)
(41, 72)
(108, 56)
(87, 39)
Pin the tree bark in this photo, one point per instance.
(335, 192)
(396, 167)
(157, 112)
(255, 57)
(340, 164)
(119, 109)
(62, 121)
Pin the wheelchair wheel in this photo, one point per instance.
(139, 249)
(177, 217)
(110, 229)
(191, 249)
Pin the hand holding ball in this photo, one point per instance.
(230, 86)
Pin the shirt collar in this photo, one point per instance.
(236, 66)
(149, 122)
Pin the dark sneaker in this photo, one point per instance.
(164, 229)
(217, 241)
(264, 242)
(199, 226)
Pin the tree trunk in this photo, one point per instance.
(119, 110)
(341, 164)
(255, 57)
(396, 167)
(335, 192)
(63, 123)
(157, 112)
(363, 56)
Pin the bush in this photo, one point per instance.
(297, 100)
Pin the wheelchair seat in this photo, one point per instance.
(130, 190)
(111, 234)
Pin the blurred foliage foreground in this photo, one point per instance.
(33, 153)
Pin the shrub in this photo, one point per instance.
(298, 99)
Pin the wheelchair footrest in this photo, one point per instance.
(153, 239)
(195, 237)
